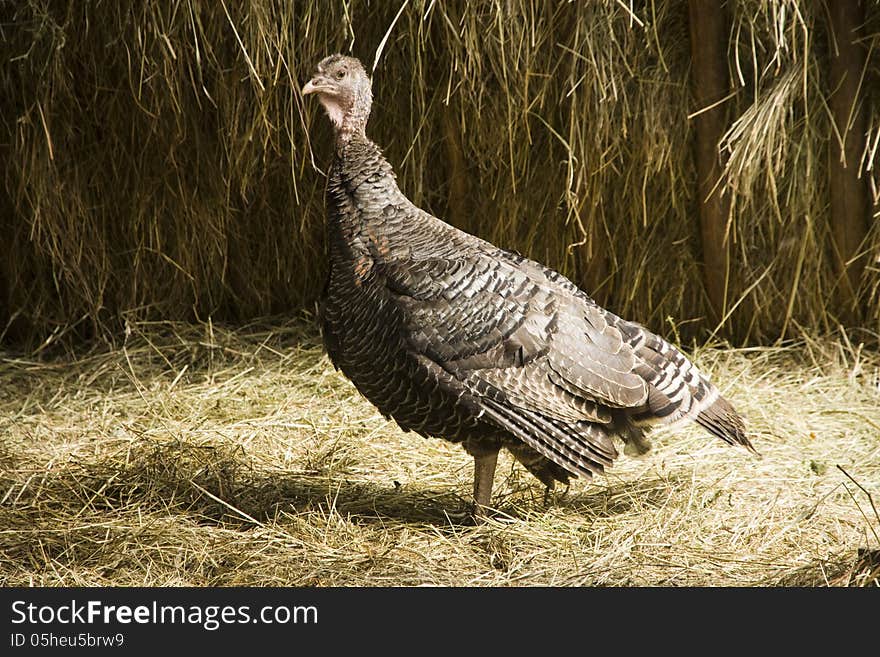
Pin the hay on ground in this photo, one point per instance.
(208, 457)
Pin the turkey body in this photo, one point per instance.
(455, 338)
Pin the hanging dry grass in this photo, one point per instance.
(197, 455)
(159, 161)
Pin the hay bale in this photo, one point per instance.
(158, 161)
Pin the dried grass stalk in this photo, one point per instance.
(159, 162)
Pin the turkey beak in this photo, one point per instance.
(315, 85)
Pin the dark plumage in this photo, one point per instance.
(458, 339)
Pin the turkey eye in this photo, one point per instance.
(340, 75)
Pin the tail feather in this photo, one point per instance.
(722, 420)
(677, 390)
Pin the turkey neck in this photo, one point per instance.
(366, 208)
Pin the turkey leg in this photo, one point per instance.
(484, 475)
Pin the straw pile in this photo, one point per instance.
(159, 163)
(197, 455)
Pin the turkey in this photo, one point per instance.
(455, 338)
